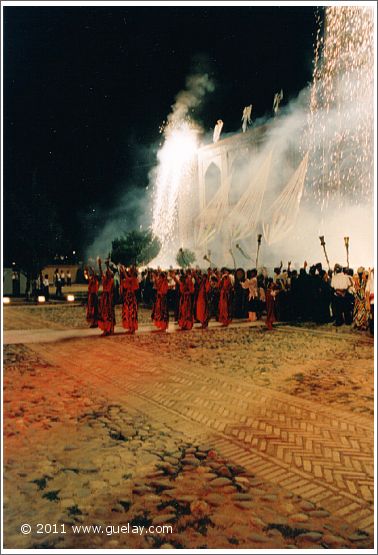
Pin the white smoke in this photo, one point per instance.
(287, 136)
(338, 133)
(175, 194)
(131, 212)
(197, 86)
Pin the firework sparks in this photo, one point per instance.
(174, 170)
(341, 107)
(174, 174)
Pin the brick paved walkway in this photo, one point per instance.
(318, 452)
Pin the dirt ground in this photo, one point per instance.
(106, 431)
(56, 316)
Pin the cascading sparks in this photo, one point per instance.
(341, 124)
(174, 169)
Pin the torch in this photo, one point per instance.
(346, 241)
(241, 250)
(207, 257)
(258, 248)
(322, 242)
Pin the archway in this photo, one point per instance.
(212, 182)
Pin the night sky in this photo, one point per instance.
(87, 88)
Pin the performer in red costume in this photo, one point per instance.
(186, 317)
(92, 303)
(106, 320)
(160, 314)
(128, 286)
(270, 296)
(202, 308)
(225, 299)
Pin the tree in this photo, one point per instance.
(185, 258)
(135, 247)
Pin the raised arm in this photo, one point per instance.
(245, 284)
(174, 277)
(100, 266)
(122, 271)
(197, 277)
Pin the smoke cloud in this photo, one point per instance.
(344, 215)
(337, 132)
(132, 211)
(197, 86)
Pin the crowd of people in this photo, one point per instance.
(191, 296)
(41, 284)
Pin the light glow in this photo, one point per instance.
(175, 166)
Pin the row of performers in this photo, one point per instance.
(202, 296)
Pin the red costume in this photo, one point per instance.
(129, 285)
(92, 304)
(160, 314)
(186, 317)
(225, 300)
(271, 306)
(202, 308)
(106, 320)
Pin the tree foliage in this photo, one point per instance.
(185, 258)
(135, 247)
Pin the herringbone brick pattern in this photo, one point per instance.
(323, 454)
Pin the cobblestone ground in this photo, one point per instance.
(237, 438)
